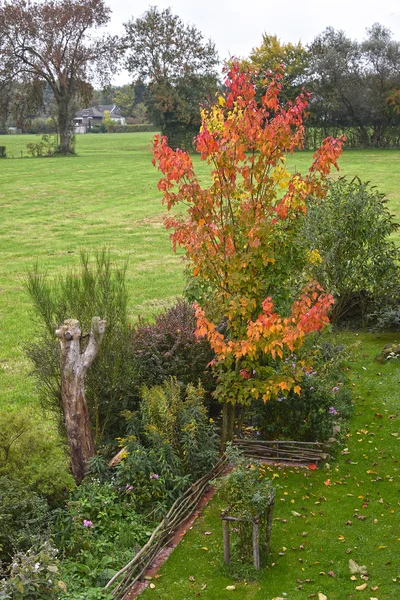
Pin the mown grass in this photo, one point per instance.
(104, 197)
(348, 511)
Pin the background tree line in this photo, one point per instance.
(47, 72)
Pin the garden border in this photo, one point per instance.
(182, 508)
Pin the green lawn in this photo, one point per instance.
(349, 511)
(106, 196)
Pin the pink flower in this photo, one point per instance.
(87, 523)
(154, 476)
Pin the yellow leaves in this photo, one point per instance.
(281, 177)
(314, 257)
(297, 389)
(221, 101)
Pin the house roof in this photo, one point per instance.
(98, 111)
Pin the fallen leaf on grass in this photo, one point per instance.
(191, 578)
(230, 588)
(207, 532)
(204, 548)
(356, 568)
(152, 586)
(361, 587)
(322, 596)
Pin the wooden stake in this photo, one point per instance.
(227, 549)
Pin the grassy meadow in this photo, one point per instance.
(107, 196)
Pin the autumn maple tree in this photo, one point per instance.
(239, 235)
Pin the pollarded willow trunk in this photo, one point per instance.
(74, 366)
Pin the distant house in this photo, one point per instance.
(87, 117)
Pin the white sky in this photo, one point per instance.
(236, 26)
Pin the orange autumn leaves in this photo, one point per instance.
(238, 231)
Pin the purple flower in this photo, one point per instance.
(333, 411)
(129, 487)
(154, 476)
(311, 388)
(335, 389)
(87, 523)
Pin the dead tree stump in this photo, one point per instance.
(74, 366)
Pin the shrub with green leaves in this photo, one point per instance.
(34, 575)
(99, 519)
(351, 231)
(247, 494)
(23, 517)
(325, 399)
(172, 443)
(31, 453)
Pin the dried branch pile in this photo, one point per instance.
(284, 451)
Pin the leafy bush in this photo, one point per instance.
(169, 348)
(135, 128)
(323, 401)
(34, 575)
(30, 452)
(97, 289)
(247, 494)
(245, 491)
(41, 125)
(99, 518)
(23, 517)
(351, 231)
(172, 443)
(47, 146)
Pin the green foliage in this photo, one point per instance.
(108, 122)
(351, 230)
(125, 99)
(31, 453)
(247, 494)
(23, 517)
(172, 442)
(246, 491)
(47, 146)
(41, 126)
(3, 153)
(168, 347)
(179, 66)
(34, 575)
(97, 289)
(135, 128)
(99, 520)
(324, 400)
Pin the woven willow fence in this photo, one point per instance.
(182, 508)
(284, 451)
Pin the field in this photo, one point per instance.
(107, 197)
(104, 197)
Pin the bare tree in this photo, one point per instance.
(53, 42)
(74, 366)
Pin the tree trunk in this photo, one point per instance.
(74, 365)
(65, 127)
(228, 424)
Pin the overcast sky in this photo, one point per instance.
(236, 26)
